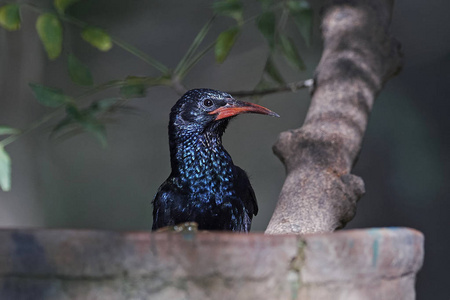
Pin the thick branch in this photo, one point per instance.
(359, 56)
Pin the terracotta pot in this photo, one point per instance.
(90, 264)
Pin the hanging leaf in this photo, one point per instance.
(230, 8)
(79, 72)
(224, 43)
(103, 105)
(50, 31)
(77, 119)
(73, 114)
(290, 53)
(62, 5)
(273, 72)
(266, 25)
(302, 14)
(96, 128)
(133, 91)
(134, 87)
(10, 17)
(63, 124)
(8, 130)
(97, 37)
(5, 170)
(49, 96)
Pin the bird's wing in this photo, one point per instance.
(164, 213)
(249, 198)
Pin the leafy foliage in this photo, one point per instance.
(10, 17)
(266, 25)
(230, 8)
(79, 72)
(50, 32)
(134, 87)
(49, 96)
(270, 22)
(86, 119)
(5, 170)
(8, 130)
(97, 37)
(224, 43)
(291, 53)
(301, 12)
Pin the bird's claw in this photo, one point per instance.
(186, 227)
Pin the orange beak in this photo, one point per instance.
(236, 107)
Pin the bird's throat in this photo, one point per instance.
(200, 162)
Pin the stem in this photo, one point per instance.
(188, 66)
(289, 87)
(177, 85)
(141, 55)
(194, 46)
(33, 126)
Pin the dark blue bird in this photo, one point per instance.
(205, 186)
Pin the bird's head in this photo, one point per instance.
(206, 109)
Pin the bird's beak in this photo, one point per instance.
(236, 107)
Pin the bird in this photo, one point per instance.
(204, 185)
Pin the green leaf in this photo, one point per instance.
(266, 25)
(134, 87)
(273, 72)
(62, 5)
(50, 31)
(8, 130)
(96, 128)
(10, 17)
(97, 37)
(133, 91)
(224, 43)
(63, 124)
(73, 112)
(103, 105)
(83, 119)
(5, 170)
(290, 53)
(79, 72)
(49, 96)
(302, 14)
(230, 8)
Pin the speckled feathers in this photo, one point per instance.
(204, 185)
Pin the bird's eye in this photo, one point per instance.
(207, 102)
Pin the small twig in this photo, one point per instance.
(289, 87)
(178, 87)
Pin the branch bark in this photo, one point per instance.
(320, 193)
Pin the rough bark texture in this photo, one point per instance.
(320, 194)
(90, 265)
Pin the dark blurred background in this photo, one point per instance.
(77, 184)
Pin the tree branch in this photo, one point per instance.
(359, 56)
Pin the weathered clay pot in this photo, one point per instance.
(84, 264)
